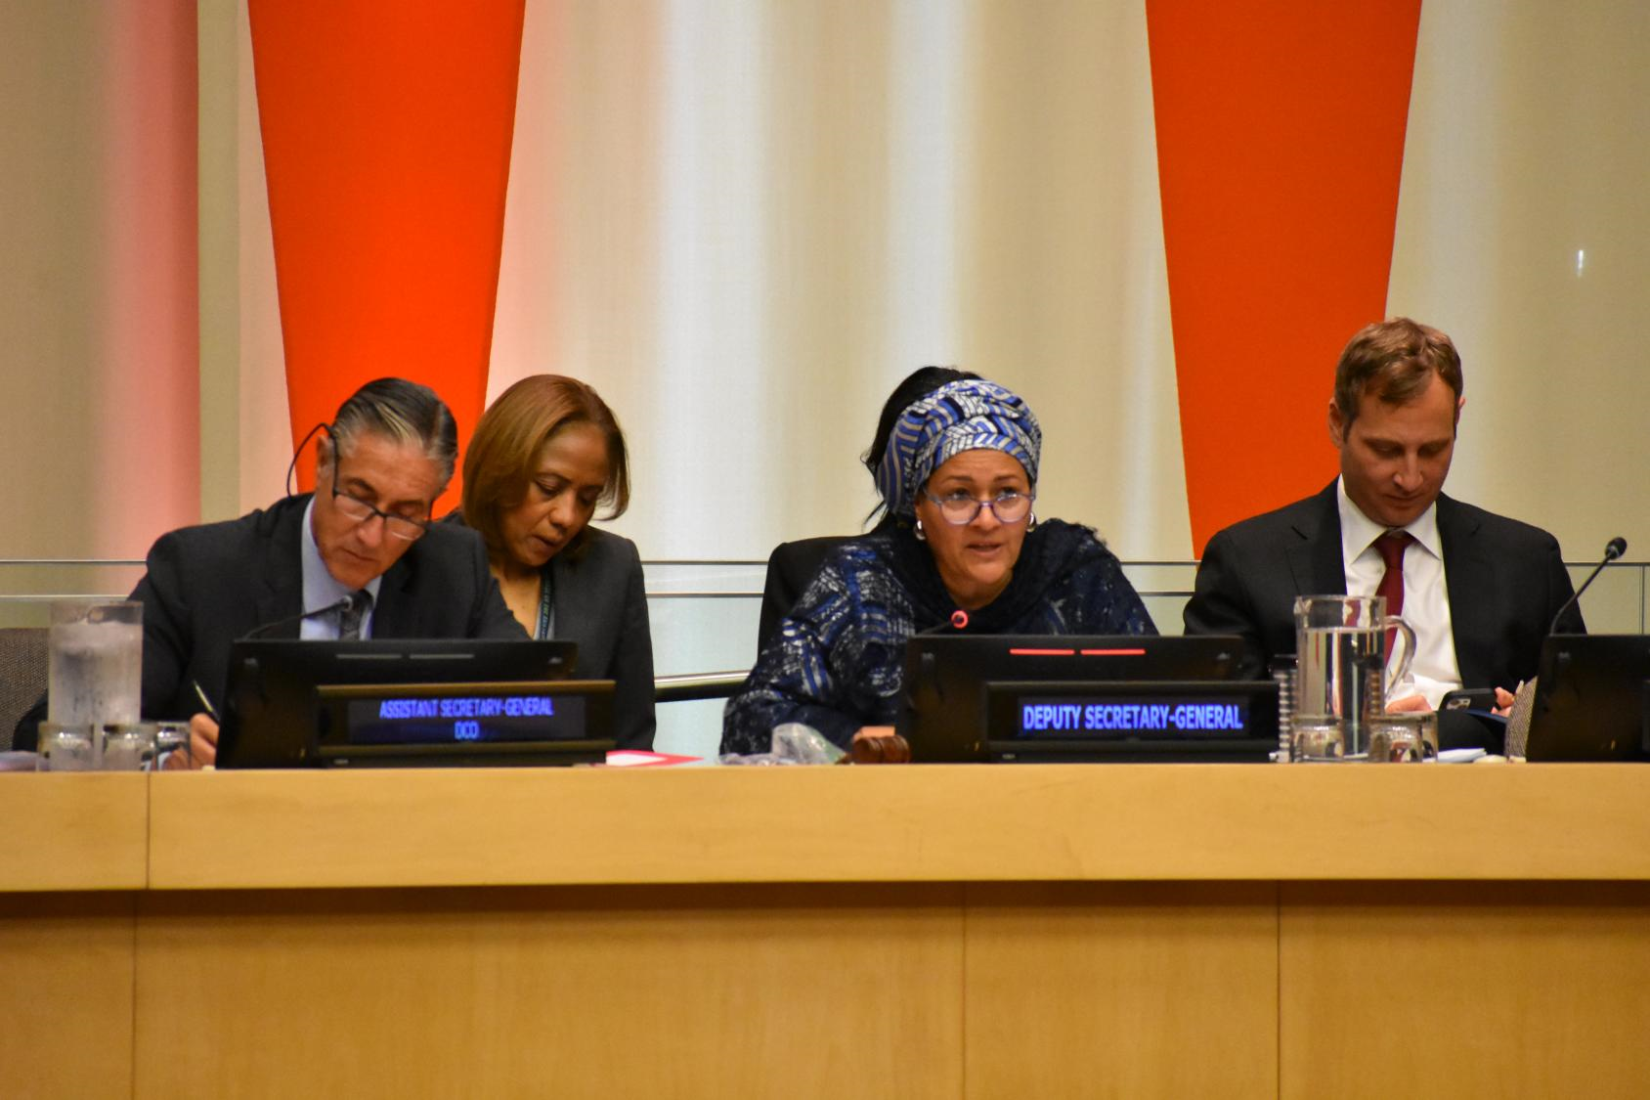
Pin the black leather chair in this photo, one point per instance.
(23, 664)
(790, 567)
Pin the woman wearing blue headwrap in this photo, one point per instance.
(959, 476)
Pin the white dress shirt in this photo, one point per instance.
(320, 589)
(1426, 593)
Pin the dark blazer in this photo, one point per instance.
(791, 567)
(209, 585)
(1506, 582)
(601, 603)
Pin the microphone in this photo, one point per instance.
(357, 601)
(957, 621)
(1615, 549)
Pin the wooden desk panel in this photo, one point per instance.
(1141, 930)
(831, 991)
(1122, 989)
(1445, 989)
(66, 974)
(74, 831)
(932, 824)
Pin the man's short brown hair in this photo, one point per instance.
(503, 454)
(1393, 361)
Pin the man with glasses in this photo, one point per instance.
(362, 547)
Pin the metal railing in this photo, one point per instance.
(1618, 603)
(699, 685)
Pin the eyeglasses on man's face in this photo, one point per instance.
(960, 508)
(353, 507)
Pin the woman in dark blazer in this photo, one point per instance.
(543, 457)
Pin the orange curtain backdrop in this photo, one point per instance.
(386, 129)
(1280, 137)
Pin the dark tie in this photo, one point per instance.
(349, 619)
(1391, 547)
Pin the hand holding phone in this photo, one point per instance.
(1475, 699)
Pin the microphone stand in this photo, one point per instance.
(1616, 548)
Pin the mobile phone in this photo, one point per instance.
(1479, 699)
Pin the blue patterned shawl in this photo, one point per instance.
(838, 660)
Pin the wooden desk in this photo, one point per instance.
(939, 931)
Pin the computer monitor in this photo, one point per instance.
(965, 696)
(1591, 699)
(292, 704)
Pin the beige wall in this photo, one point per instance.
(1524, 231)
(98, 372)
(245, 433)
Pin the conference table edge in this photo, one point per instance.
(1146, 823)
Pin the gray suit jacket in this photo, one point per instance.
(1506, 582)
(601, 604)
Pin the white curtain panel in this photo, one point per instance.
(745, 220)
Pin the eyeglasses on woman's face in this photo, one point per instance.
(961, 508)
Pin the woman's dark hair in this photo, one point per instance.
(504, 452)
(917, 385)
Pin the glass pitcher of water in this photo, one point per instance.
(96, 662)
(1344, 665)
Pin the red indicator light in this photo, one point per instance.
(1042, 653)
(1114, 653)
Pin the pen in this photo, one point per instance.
(200, 693)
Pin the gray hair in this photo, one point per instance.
(403, 411)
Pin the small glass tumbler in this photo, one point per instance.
(172, 750)
(1402, 738)
(66, 747)
(128, 746)
(1318, 740)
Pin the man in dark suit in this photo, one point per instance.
(363, 535)
(1480, 590)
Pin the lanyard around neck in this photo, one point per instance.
(547, 605)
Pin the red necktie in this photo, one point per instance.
(1391, 547)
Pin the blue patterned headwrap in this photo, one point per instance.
(970, 415)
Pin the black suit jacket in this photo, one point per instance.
(209, 585)
(601, 603)
(1506, 582)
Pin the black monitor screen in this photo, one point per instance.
(273, 703)
(943, 704)
(1591, 699)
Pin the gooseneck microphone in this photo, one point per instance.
(358, 601)
(957, 621)
(1615, 549)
